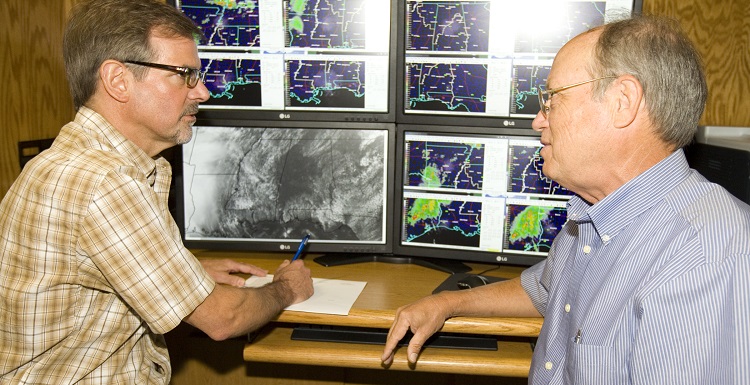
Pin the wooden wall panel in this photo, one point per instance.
(721, 31)
(34, 97)
(35, 103)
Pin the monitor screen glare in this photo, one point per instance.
(486, 58)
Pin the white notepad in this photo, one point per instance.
(332, 296)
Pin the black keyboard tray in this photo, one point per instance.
(357, 335)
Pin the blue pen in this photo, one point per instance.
(301, 247)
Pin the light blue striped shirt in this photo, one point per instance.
(649, 286)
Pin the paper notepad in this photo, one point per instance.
(332, 296)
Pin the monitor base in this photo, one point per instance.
(448, 266)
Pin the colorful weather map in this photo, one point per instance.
(225, 23)
(526, 82)
(442, 222)
(326, 23)
(326, 83)
(448, 26)
(525, 172)
(533, 228)
(446, 87)
(445, 165)
(233, 82)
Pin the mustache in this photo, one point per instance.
(191, 110)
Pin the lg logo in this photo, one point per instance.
(285, 116)
(285, 247)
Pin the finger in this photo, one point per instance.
(395, 334)
(254, 270)
(415, 346)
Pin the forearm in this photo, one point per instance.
(501, 299)
(230, 311)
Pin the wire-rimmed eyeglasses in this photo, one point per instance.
(191, 75)
(546, 95)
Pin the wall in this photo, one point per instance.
(34, 99)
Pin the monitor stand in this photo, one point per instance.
(445, 265)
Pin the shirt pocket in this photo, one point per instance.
(596, 365)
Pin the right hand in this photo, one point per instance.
(295, 276)
(423, 318)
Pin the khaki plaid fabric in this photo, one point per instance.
(92, 267)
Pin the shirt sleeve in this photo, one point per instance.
(531, 281)
(131, 242)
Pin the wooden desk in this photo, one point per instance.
(388, 287)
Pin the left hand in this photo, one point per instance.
(222, 270)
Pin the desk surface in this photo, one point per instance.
(389, 286)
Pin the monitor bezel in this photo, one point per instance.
(290, 245)
(388, 116)
(445, 253)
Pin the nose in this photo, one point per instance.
(200, 92)
(540, 122)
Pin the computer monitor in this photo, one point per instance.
(263, 186)
(297, 60)
(482, 61)
(474, 194)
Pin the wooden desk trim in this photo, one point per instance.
(518, 327)
(274, 344)
(375, 308)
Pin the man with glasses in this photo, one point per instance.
(647, 282)
(93, 271)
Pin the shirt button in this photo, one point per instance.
(567, 308)
(587, 249)
(605, 238)
(548, 365)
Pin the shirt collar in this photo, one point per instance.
(107, 135)
(620, 208)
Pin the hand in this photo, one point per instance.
(221, 271)
(424, 318)
(295, 276)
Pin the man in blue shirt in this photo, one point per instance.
(649, 281)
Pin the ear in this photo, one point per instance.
(114, 78)
(628, 94)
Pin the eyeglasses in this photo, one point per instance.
(191, 75)
(544, 96)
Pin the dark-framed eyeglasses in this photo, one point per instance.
(191, 75)
(545, 96)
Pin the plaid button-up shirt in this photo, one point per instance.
(92, 267)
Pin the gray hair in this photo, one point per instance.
(658, 53)
(100, 30)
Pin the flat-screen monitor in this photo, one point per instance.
(264, 186)
(481, 62)
(297, 60)
(474, 194)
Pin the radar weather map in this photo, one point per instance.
(532, 228)
(525, 172)
(448, 26)
(326, 23)
(444, 165)
(444, 222)
(446, 87)
(456, 166)
(225, 23)
(233, 82)
(326, 83)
